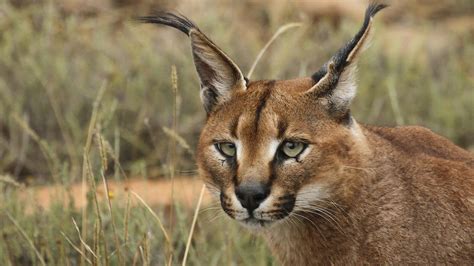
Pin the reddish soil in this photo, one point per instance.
(153, 192)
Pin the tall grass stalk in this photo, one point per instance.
(394, 103)
(126, 218)
(51, 158)
(63, 259)
(7, 179)
(103, 154)
(69, 144)
(280, 31)
(174, 87)
(96, 242)
(86, 171)
(93, 187)
(172, 134)
(27, 238)
(81, 250)
(87, 247)
(160, 224)
(196, 213)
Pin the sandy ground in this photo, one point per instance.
(153, 192)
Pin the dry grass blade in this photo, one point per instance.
(146, 251)
(180, 140)
(172, 164)
(126, 218)
(196, 213)
(114, 227)
(85, 159)
(168, 240)
(7, 179)
(280, 31)
(102, 150)
(394, 103)
(30, 242)
(76, 248)
(96, 239)
(115, 157)
(51, 158)
(88, 248)
(103, 155)
(61, 121)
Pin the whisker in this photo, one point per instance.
(211, 208)
(326, 215)
(218, 216)
(315, 226)
(339, 207)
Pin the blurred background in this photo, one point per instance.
(88, 94)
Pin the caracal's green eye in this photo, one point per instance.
(226, 148)
(293, 149)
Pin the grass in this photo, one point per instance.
(87, 98)
(115, 232)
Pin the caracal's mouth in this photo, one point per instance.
(257, 214)
(256, 224)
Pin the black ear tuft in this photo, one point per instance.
(179, 22)
(374, 8)
(335, 81)
(341, 58)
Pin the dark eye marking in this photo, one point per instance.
(261, 104)
(282, 126)
(234, 125)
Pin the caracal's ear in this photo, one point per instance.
(219, 75)
(335, 84)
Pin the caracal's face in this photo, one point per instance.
(270, 152)
(272, 149)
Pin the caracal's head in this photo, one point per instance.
(272, 148)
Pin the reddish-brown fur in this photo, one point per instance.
(404, 195)
(352, 194)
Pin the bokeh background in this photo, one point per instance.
(61, 60)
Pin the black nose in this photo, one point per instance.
(251, 194)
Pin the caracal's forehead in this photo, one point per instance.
(267, 109)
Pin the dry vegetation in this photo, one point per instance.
(87, 95)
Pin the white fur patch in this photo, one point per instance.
(224, 68)
(272, 149)
(309, 194)
(266, 205)
(305, 152)
(345, 89)
(239, 149)
(360, 138)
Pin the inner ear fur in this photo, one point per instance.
(334, 82)
(218, 74)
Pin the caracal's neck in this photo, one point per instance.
(374, 151)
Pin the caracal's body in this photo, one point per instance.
(287, 160)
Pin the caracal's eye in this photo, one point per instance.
(293, 149)
(226, 148)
